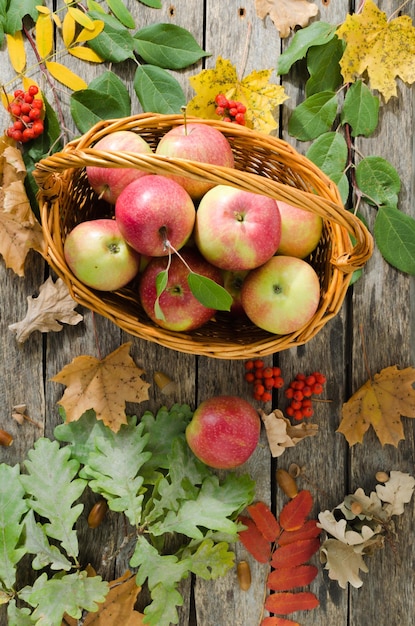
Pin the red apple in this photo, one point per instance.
(152, 211)
(98, 255)
(108, 182)
(224, 431)
(197, 142)
(181, 309)
(232, 281)
(282, 295)
(300, 231)
(236, 229)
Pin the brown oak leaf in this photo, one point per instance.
(380, 403)
(104, 385)
(281, 434)
(53, 307)
(19, 229)
(286, 14)
(118, 607)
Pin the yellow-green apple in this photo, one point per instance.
(98, 255)
(224, 431)
(282, 295)
(181, 310)
(108, 182)
(154, 213)
(232, 281)
(236, 229)
(196, 142)
(300, 231)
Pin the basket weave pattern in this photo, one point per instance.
(263, 164)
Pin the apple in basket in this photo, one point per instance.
(237, 229)
(108, 182)
(196, 141)
(155, 215)
(232, 281)
(282, 295)
(224, 431)
(300, 230)
(176, 307)
(98, 255)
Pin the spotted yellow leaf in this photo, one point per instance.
(16, 51)
(255, 91)
(383, 48)
(65, 76)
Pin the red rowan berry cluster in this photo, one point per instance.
(264, 379)
(230, 110)
(26, 112)
(300, 392)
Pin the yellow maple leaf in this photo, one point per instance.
(254, 91)
(104, 385)
(382, 48)
(380, 403)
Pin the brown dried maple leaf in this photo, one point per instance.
(19, 229)
(104, 385)
(53, 307)
(286, 14)
(380, 403)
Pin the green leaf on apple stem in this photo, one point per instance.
(209, 293)
(161, 284)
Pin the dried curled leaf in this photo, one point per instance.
(286, 14)
(380, 402)
(19, 229)
(53, 307)
(281, 434)
(104, 385)
(383, 48)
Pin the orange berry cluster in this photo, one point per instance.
(300, 392)
(230, 110)
(26, 113)
(264, 379)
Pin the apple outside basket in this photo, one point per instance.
(264, 164)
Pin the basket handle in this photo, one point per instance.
(47, 175)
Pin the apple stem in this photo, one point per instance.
(184, 111)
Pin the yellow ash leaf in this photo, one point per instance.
(286, 14)
(16, 51)
(380, 403)
(86, 54)
(65, 76)
(81, 17)
(68, 29)
(44, 35)
(87, 34)
(383, 48)
(104, 385)
(255, 91)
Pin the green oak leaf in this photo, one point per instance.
(394, 233)
(378, 181)
(168, 46)
(157, 90)
(360, 109)
(317, 34)
(36, 542)
(209, 560)
(314, 116)
(15, 12)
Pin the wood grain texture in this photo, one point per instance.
(375, 328)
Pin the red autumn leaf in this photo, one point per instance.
(254, 541)
(288, 578)
(309, 530)
(278, 621)
(296, 553)
(265, 520)
(294, 513)
(288, 602)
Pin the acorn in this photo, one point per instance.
(164, 382)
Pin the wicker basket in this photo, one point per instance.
(264, 164)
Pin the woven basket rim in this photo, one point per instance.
(51, 174)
